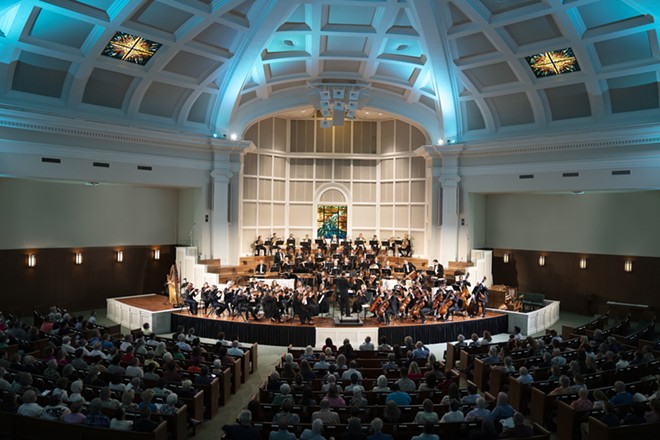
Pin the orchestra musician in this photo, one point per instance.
(359, 243)
(392, 308)
(261, 269)
(451, 297)
(218, 300)
(259, 247)
(252, 303)
(271, 307)
(285, 266)
(405, 250)
(480, 295)
(425, 304)
(189, 294)
(272, 244)
(408, 268)
(230, 297)
(375, 244)
(334, 243)
(290, 243)
(335, 269)
(278, 259)
(438, 273)
(391, 246)
(360, 299)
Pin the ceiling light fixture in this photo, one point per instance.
(338, 101)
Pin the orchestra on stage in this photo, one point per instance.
(354, 275)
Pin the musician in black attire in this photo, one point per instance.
(218, 301)
(438, 272)
(290, 244)
(271, 307)
(360, 299)
(259, 246)
(480, 295)
(343, 285)
(251, 303)
(408, 268)
(393, 307)
(188, 294)
(261, 269)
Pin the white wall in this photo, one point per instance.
(619, 223)
(45, 214)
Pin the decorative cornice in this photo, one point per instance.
(86, 129)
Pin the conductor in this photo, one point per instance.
(343, 285)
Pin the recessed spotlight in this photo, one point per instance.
(288, 43)
(234, 136)
(366, 113)
(401, 47)
(215, 135)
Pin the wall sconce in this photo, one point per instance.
(120, 256)
(627, 266)
(542, 260)
(78, 257)
(156, 254)
(32, 260)
(583, 263)
(506, 257)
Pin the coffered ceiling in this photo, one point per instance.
(457, 68)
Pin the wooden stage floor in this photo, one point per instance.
(157, 303)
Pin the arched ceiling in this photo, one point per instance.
(456, 67)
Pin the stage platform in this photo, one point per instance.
(133, 311)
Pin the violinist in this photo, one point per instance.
(259, 246)
(252, 305)
(218, 300)
(324, 298)
(206, 295)
(271, 307)
(189, 294)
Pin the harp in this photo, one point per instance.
(173, 285)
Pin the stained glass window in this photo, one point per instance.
(555, 62)
(331, 220)
(130, 48)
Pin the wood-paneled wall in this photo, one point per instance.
(584, 291)
(56, 279)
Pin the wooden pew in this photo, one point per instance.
(568, 420)
(224, 387)
(600, 431)
(177, 424)
(30, 428)
(211, 397)
(195, 405)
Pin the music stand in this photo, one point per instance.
(373, 243)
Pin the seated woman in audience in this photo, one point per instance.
(358, 400)
(331, 380)
(306, 370)
(333, 397)
(427, 413)
(274, 381)
(169, 408)
(119, 421)
(285, 413)
(329, 355)
(341, 363)
(582, 403)
(77, 388)
(653, 414)
(147, 397)
(390, 364)
(452, 393)
(354, 431)
(414, 372)
(306, 399)
(502, 409)
(55, 410)
(128, 401)
(454, 414)
(392, 413)
(75, 416)
(288, 373)
(329, 344)
(308, 354)
(429, 384)
(563, 388)
(60, 389)
(381, 385)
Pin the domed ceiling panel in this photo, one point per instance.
(107, 88)
(40, 74)
(456, 68)
(51, 27)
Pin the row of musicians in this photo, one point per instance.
(283, 264)
(404, 246)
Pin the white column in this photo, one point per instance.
(450, 222)
(225, 180)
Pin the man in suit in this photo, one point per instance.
(261, 269)
(343, 285)
(408, 267)
(438, 269)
